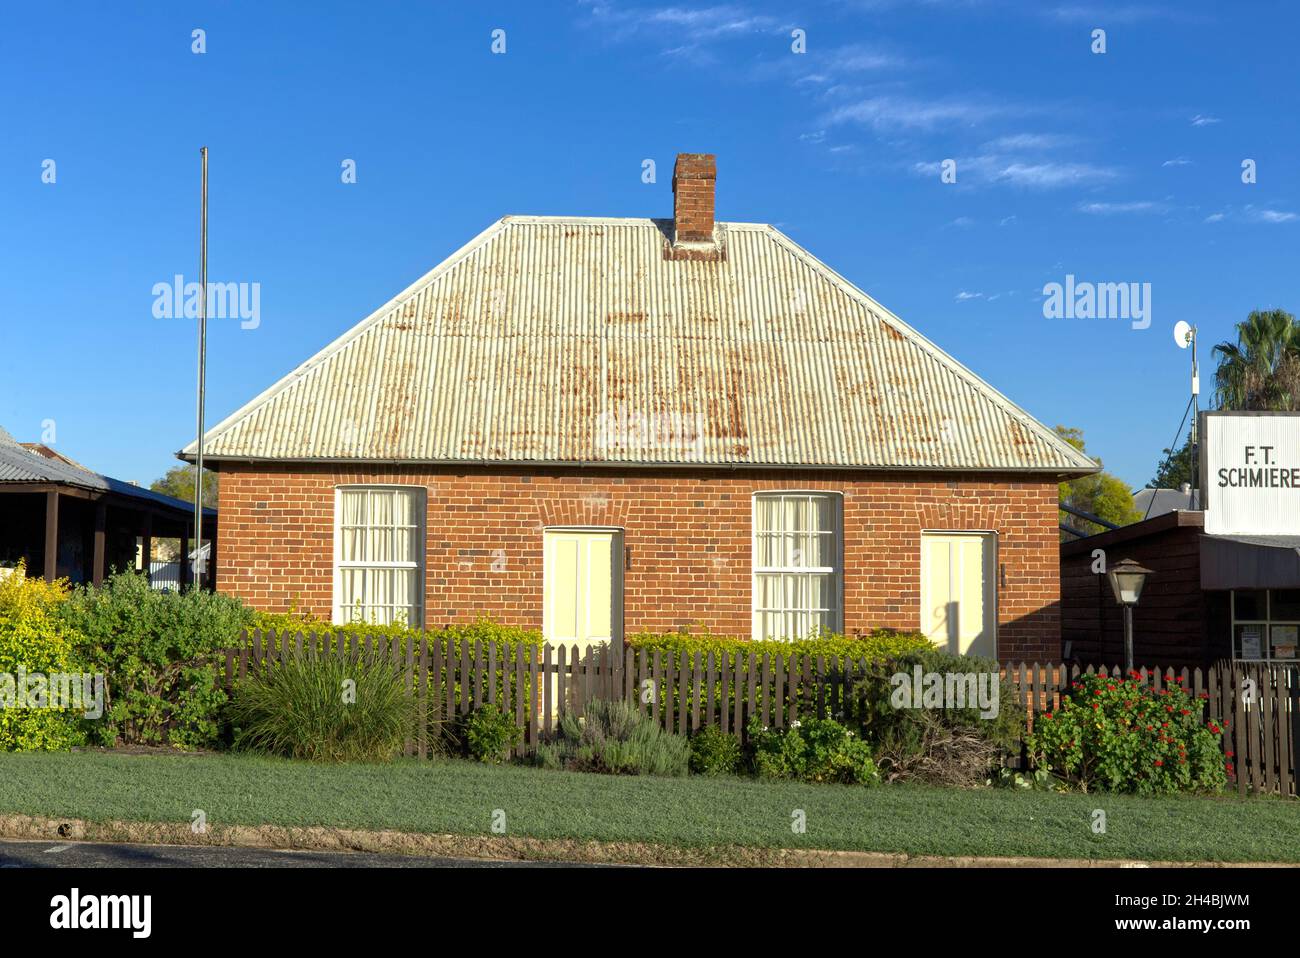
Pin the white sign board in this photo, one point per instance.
(1252, 473)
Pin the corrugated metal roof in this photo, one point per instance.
(574, 340)
(18, 464)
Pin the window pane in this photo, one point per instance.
(352, 594)
(821, 519)
(792, 514)
(1284, 605)
(1250, 604)
(1249, 641)
(381, 544)
(404, 545)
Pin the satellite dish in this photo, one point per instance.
(1183, 333)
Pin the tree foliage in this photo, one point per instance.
(179, 484)
(1101, 494)
(1175, 468)
(1261, 370)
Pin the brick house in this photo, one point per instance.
(601, 426)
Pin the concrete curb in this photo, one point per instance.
(512, 848)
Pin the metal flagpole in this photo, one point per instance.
(199, 564)
(1196, 437)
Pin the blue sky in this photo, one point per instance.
(1123, 166)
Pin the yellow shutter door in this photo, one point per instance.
(583, 587)
(958, 592)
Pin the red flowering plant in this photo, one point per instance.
(1121, 735)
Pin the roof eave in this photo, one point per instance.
(1058, 472)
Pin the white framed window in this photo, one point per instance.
(1265, 625)
(378, 555)
(798, 564)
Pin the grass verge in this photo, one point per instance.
(459, 798)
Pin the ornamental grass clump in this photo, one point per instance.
(1121, 735)
(324, 710)
(617, 739)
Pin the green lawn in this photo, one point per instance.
(459, 797)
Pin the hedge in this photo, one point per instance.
(876, 646)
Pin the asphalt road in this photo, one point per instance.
(45, 854)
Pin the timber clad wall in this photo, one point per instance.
(687, 536)
(1175, 624)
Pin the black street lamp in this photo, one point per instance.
(1126, 580)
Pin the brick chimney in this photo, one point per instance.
(694, 176)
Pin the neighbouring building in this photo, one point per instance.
(63, 520)
(1225, 580)
(602, 426)
(1156, 502)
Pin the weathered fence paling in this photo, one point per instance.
(1257, 705)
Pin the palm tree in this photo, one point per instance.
(1261, 371)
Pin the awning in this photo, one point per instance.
(1250, 562)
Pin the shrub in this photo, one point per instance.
(33, 638)
(812, 750)
(936, 745)
(158, 651)
(714, 752)
(491, 735)
(614, 738)
(326, 709)
(1121, 735)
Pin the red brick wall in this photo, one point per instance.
(688, 535)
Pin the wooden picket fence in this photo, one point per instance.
(1258, 705)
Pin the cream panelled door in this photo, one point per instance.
(583, 587)
(959, 591)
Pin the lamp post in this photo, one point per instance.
(1126, 580)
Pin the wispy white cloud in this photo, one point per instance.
(687, 30)
(1202, 119)
(1051, 175)
(702, 23)
(965, 295)
(1099, 15)
(1038, 174)
(1134, 206)
(1271, 216)
(1177, 161)
(857, 58)
(1251, 213)
(891, 112)
(1029, 141)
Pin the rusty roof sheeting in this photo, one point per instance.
(574, 340)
